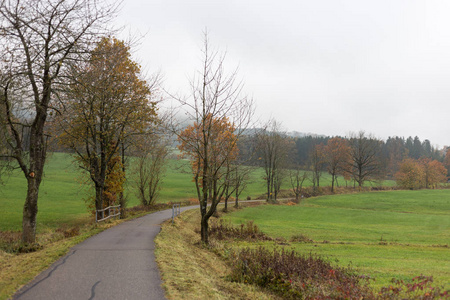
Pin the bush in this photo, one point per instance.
(222, 230)
(294, 276)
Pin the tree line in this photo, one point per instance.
(358, 158)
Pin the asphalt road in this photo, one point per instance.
(118, 263)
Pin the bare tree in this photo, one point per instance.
(316, 164)
(364, 161)
(39, 39)
(274, 151)
(241, 179)
(220, 114)
(150, 168)
(337, 156)
(297, 177)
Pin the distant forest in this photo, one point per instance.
(391, 153)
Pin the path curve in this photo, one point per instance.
(118, 263)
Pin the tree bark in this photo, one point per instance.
(30, 210)
(204, 229)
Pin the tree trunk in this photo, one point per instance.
(30, 210)
(98, 196)
(204, 230)
(332, 183)
(236, 202)
(34, 177)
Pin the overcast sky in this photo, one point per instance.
(327, 67)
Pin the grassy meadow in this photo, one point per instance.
(398, 234)
(62, 192)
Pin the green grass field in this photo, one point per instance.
(384, 234)
(62, 194)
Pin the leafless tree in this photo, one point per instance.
(220, 113)
(316, 164)
(365, 160)
(39, 39)
(297, 177)
(274, 151)
(150, 168)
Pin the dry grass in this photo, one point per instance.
(190, 270)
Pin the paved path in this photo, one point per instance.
(118, 263)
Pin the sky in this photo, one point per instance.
(328, 67)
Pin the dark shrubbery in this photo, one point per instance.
(294, 276)
(222, 230)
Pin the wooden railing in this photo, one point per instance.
(115, 213)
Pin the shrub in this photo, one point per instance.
(222, 230)
(295, 276)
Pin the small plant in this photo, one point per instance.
(420, 287)
(301, 238)
(68, 232)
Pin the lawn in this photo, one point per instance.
(63, 193)
(384, 234)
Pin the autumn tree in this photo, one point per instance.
(364, 157)
(210, 144)
(410, 174)
(274, 152)
(434, 172)
(40, 38)
(419, 173)
(107, 103)
(220, 114)
(337, 157)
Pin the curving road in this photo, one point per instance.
(118, 263)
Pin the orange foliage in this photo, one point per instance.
(212, 142)
(414, 174)
(410, 174)
(434, 172)
(115, 179)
